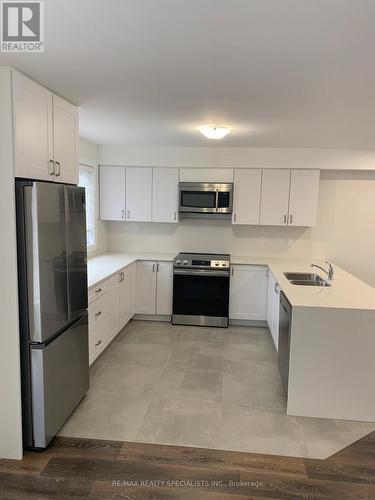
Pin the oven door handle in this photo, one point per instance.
(200, 272)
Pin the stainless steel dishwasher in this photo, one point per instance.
(285, 320)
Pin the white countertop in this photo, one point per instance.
(346, 291)
(102, 266)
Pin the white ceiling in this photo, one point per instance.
(280, 73)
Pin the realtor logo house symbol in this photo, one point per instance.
(22, 26)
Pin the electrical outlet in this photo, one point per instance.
(261, 241)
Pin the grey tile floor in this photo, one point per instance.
(204, 387)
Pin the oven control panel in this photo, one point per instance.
(202, 261)
(219, 263)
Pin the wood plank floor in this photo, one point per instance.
(74, 468)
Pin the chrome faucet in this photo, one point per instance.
(330, 271)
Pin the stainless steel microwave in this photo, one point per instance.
(205, 198)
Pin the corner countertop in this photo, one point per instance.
(104, 265)
(346, 291)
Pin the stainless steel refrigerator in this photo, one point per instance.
(52, 275)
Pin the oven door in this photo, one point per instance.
(206, 198)
(200, 297)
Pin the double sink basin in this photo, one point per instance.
(306, 279)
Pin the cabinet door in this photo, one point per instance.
(133, 277)
(32, 117)
(303, 198)
(273, 308)
(248, 293)
(138, 194)
(246, 201)
(274, 197)
(275, 314)
(164, 288)
(270, 300)
(145, 295)
(112, 193)
(165, 194)
(124, 296)
(65, 141)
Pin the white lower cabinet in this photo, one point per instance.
(103, 317)
(164, 288)
(248, 293)
(154, 282)
(125, 293)
(111, 306)
(273, 298)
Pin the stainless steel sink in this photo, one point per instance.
(303, 276)
(309, 282)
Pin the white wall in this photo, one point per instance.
(346, 225)
(89, 155)
(345, 232)
(342, 159)
(10, 378)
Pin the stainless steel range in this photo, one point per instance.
(201, 289)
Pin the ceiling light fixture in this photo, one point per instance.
(214, 131)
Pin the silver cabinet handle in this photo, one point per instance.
(51, 167)
(98, 290)
(290, 218)
(175, 216)
(277, 288)
(98, 343)
(235, 217)
(58, 170)
(232, 271)
(153, 268)
(128, 214)
(120, 277)
(99, 313)
(285, 219)
(157, 267)
(122, 214)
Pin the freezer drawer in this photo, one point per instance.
(59, 379)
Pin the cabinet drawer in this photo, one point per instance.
(97, 291)
(97, 341)
(97, 311)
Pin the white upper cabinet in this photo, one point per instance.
(45, 133)
(138, 194)
(165, 195)
(274, 197)
(33, 129)
(164, 289)
(65, 140)
(112, 193)
(246, 200)
(303, 199)
(289, 197)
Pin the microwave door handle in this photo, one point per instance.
(217, 201)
